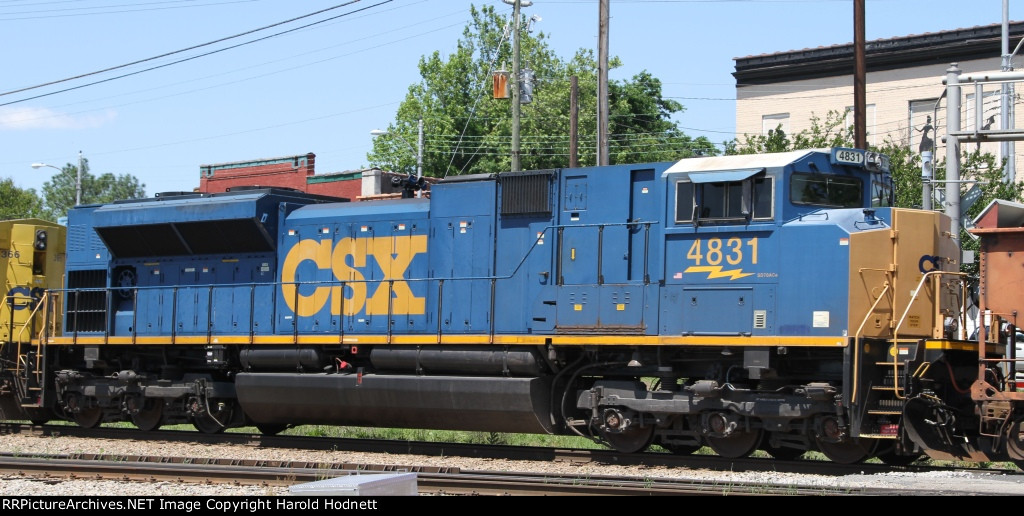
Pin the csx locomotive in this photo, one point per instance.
(772, 301)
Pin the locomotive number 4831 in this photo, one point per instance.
(850, 156)
(715, 250)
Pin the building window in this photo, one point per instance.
(773, 122)
(989, 111)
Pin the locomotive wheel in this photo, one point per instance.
(633, 439)
(89, 418)
(1015, 441)
(214, 423)
(206, 424)
(847, 452)
(150, 417)
(736, 445)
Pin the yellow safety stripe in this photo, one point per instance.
(456, 339)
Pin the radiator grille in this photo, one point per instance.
(526, 193)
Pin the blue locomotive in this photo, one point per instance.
(771, 301)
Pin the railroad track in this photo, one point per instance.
(435, 449)
(430, 481)
(435, 480)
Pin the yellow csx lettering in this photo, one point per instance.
(392, 254)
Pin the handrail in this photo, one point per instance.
(856, 342)
(31, 316)
(910, 304)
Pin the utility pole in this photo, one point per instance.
(516, 4)
(602, 83)
(859, 78)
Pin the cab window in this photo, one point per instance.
(881, 192)
(733, 201)
(827, 190)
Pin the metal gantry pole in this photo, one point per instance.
(78, 180)
(1006, 148)
(419, 153)
(953, 151)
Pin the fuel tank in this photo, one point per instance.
(485, 404)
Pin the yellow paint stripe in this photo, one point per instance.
(461, 339)
(960, 345)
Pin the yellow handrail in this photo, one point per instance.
(856, 342)
(896, 330)
(31, 315)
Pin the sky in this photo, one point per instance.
(156, 89)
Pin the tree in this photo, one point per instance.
(18, 203)
(466, 130)
(59, 192)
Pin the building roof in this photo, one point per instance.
(258, 162)
(881, 54)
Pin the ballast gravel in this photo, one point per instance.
(954, 483)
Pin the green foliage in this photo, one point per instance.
(466, 130)
(989, 173)
(59, 192)
(18, 203)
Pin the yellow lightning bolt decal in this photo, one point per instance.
(715, 272)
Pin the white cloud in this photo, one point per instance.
(22, 118)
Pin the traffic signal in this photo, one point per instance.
(40, 243)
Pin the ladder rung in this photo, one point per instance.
(885, 412)
(878, 436)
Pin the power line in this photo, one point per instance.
(244, 79)
(190, 5)
(59, 81)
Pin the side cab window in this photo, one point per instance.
(727, 202)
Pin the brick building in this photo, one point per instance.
(299, 173)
